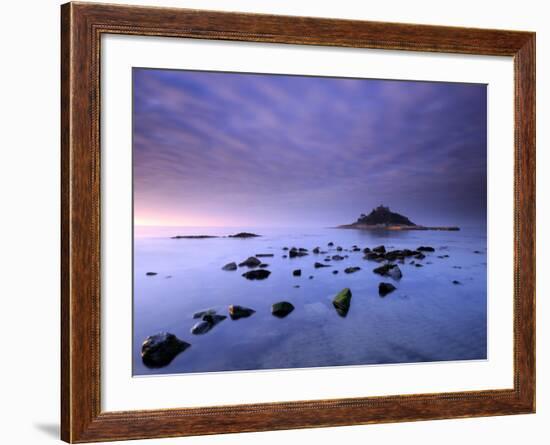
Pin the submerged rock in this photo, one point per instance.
(244, 235)
(418, 265)
(355, 249)
(297, 272)
(366, 250)
(379, 249)
(230, 266)
(337, 257)
(151, 274)
(352, 269)
(342, 301)
(207, 323)
(385, 288)
(456, 282)
(389, 270)
(293, 253)
(250, 262)
(311, 277)
(201, 314)
(236, 312)
(282, 309)
(319, 265)
(259, 274)
(260, 255)
(334, 272)
(339, 249)
(426, 249)
(317, 250)
(420, 256)
(263, 265)
(330, 244)
(160, 349)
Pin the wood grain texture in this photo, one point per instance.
(81, 28)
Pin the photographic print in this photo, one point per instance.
(285, 221)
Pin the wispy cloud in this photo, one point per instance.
(285, 150)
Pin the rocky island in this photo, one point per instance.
(383, 218)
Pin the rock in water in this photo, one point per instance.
(263, 265)
(282, 309)
(207, 323)
(151, 274)
(456, 282)
(230, 266)
(426, 249)
(244, 235)
(293, 253)
(330, 244)
(236, 312)
(389, 270)
(201, 314)
(337, 257)
(297, 272)
(379, 249)
(334, 272)
(250, 262)
(319, 265)
(260, 255)
(385, 288)
(259, 274)
(317, 250)
(352, 269)
(342, 302)
(160, 349)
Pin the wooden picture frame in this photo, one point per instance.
(82, 25)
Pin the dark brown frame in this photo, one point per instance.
(82, 25)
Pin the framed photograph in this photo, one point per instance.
(274, 222)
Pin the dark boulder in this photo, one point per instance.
(330, 244)
(282, 309)
(337, 257)
(194, 236)
(151, 274)
(230, 266)
(379, 249)
(334, 272)
(385, 288)
(260, 255)
(250, 262)
(389, 270)
(339, 249)
(259, 274)
(426, 249)
(236, 312)
(317, 250)
(456, 282)
(293, 253)
(297, 272)
(160, 349)
(418, 265)
(263, 265)
(420, 256)
(352, 269)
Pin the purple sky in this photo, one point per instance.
(224, 149)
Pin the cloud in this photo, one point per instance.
(261, 149)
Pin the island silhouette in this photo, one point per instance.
(383, 218)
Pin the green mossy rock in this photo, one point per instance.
(342, 302)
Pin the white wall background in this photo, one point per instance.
(29, 222)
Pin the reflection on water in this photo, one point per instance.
(428, 318)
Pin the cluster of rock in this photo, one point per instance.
(160, 349)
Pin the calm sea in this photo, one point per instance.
(428, 318)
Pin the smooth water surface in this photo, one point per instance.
(428, 318)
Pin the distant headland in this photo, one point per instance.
(383, 218)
